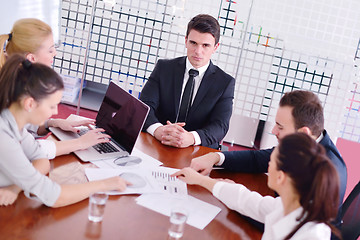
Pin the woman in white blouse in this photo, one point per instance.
(307, 184)
(29, 94)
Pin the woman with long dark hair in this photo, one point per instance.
(29, 94)
(307, 184)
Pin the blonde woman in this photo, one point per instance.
(33, 39)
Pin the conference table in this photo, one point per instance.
(123, 218)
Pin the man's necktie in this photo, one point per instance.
(187, 96)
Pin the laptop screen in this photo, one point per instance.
(122, 116)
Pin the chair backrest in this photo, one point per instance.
(350, 210)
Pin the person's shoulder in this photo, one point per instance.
(170, 61)
(216, 69)
(314, 230)
(4, 121)
(328, 144)
(332, 152)
(6, 131)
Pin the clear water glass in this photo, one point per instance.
(178, 217)
(97, 202)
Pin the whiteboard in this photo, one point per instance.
(45, 10)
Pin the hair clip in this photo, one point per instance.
(10, 36)
(26, 63)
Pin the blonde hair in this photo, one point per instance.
(25, 37)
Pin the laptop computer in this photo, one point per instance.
(122, 116)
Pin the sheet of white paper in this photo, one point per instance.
(144, 180)
(200, 213)
(74, 117)
(171, 185)
(141, 160)
(138, 178)
(146, 158)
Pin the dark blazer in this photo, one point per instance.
(258, 161)
(211, 110)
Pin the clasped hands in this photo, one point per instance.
(174, 134)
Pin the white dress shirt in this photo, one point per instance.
(268, 210)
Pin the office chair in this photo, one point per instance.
(350, 215)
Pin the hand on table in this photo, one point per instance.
(205, 163)
(9, 194)
(189, 175)
(173, 134)
(116, 184)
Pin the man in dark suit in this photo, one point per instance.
(299, 111)
(205, 118)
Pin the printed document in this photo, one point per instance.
(143, 180)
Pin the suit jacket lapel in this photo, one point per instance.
(178, 82)
(206, 83)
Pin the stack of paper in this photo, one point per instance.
(71, 88)
(160, 192)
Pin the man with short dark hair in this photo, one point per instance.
(190, 98)
(299, 111)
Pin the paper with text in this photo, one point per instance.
(143, 180)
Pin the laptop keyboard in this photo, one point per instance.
(101, 147)
(82, 131)
(105, 148)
